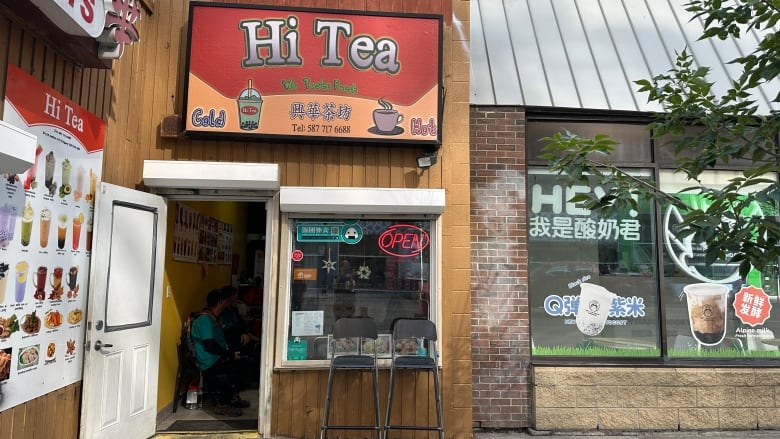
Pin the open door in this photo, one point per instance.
(122, 343)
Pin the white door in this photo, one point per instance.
(123, 315)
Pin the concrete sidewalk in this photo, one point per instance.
(529, 433)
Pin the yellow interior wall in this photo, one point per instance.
(186, 285)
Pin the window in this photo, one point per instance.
(581, 264)
(728, 318)
(569, 246)
(380, 268)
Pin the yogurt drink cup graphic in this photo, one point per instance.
(27, 220)
(7, 224)
(250, 104)
(45, 227)
(21, 281)
(707, 311)
(593, 309)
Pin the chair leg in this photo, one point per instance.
(177, 389)
(326, 410)
(389, 403)
(437, 391)
(378, 422)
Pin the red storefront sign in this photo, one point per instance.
(329, 74)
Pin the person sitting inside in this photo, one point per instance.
(218, 363)
(238, 334)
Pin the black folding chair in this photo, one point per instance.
(423, 331)
(346, 328)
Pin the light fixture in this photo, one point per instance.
(427, 160)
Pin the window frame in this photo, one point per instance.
(284, 290)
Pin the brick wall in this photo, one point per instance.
(623, 398)
(499, 261)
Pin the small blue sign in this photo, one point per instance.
(351, 233)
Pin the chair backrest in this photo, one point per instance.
(346, 327)
(414, 328)
(185, 339)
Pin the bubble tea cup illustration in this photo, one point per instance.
(250, 104)
(707, 311)
(593, 309)
(386, 118)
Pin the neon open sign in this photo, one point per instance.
(403, 240)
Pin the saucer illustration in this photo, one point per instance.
(394, 132)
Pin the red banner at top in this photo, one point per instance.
(323, 73)
(38, 104)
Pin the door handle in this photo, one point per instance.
(99, 345)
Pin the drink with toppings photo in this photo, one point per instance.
(27, 220)
(3, 280)
(7, 224)
(62, 230)
(78, 220)
(45, 227)
(21, 280)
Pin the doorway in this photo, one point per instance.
(212, 244)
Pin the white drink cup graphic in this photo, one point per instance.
(593, 309)
(707, 311)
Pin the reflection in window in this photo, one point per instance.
(349, 268)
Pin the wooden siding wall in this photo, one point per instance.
(56, 414)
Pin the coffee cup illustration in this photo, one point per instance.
(707, 311)
(593, 309)
(386, 119)
(250, 104)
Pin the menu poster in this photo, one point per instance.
(201, 238)
(185, 234)
(46, 241)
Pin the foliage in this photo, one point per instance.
(706, 131)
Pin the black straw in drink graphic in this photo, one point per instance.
(386, 119)
(250, 103)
